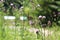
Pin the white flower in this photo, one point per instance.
(44, 17)
(22, 7)
(40, 17)
(11, 4)
(38, 5)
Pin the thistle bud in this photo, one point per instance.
(44, 17)
(11, 4)
(40, 17)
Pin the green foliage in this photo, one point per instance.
(1, 4)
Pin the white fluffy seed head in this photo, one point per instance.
(44, 17)
(40, 17)
(11, 4)
(38, 5)
(22, 7)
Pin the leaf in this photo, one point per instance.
(27, 9)
(53, 6)
(58, 2)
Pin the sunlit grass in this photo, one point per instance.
(13, 32)
(18, 30)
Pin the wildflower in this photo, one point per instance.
(38, 5)
(40, 17)
(31, 22)
(44, 17)
(11, 4)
